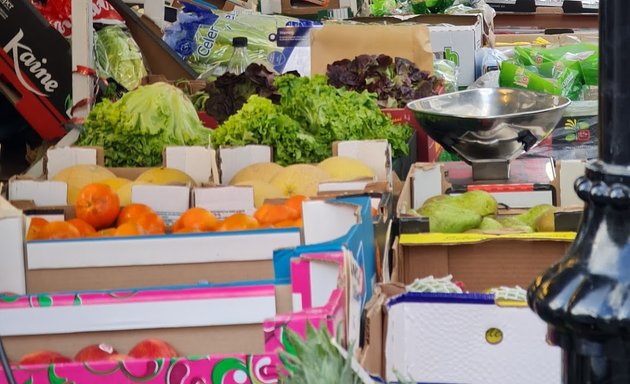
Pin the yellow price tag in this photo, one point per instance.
(471, 238)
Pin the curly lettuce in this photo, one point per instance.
(134, 130)
(309, 117)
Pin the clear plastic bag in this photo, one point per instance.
(118, 57)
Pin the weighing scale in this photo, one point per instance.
(490, 128)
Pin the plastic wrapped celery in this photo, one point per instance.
(204, 38)
(118, 57)
(564, 80)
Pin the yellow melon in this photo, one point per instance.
(262, 191)
(342, 168)
(78, 176)
(165, 176)
(259, 171)
(300, 179)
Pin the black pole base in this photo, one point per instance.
(592, 361)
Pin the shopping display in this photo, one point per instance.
(309, 192)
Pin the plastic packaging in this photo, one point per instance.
(58, 12)
(118, 57)
(204, 38)
(448, 72)
(239, 60)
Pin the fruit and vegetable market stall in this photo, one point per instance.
(296, 191)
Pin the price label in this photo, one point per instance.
(494, 336)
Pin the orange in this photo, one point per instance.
(239, 222)
(132, 211)
(272, 214)
(34, 229)
(129, 229)
(188, 230)
(151, 223)
(98, 205)
(59, 230)
(289, 223)
(108, 232)
(85, 229)
(196, 218)
(295, 202)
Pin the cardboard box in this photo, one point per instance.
(110, 263)
(222, 323)
(35, 68)
(306, 7)
(502, 341)
(452, 37)
(481, 260)
(359, 266)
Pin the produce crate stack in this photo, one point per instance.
(365, 202)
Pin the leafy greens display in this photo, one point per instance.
(228, 93)
(310, 116)
(135, 129)
(395, 81)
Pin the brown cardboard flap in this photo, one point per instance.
(345, 41)
(372, 355)
(60, 280)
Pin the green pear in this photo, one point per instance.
(490, 224)
(450, 219)
(513, 222)
(534, 213)
(479, 201)
(546, 222)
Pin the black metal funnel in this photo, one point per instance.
(585, 298)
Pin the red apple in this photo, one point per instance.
(96, 352)
(118, 357)
(152, 349)
(43, 357)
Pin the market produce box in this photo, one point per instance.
(169, 333)
(456, 337)
(452, 37)
(122, 262)
(35, 68)
(481, 258)
(310, 271)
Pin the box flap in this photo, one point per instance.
(11, 238)
(325, 221)
(343, 186)
(376, 154)
(233, 159)
(42, 192)
(196, 161)
(225, 201)
(146, 309)
(569, 171)
(60, 158)
(170, 201)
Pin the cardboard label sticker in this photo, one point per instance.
(494, 336)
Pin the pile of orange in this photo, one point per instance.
(282, 215)
(98, 214)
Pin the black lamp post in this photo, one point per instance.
(585, 298)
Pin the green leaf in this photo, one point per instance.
(44, 301)
(53, 378)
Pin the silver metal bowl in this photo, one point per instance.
(489, 123)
